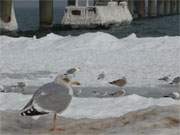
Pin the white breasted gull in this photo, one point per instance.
(53, 97)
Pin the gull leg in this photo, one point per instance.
(54, 128)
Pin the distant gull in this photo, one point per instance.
(101, 76)
(118, 93)
(100, 93)
(119, 82)
(2, 88)
(21, 85)
(176, 80)
(165, 78)
(174, 95)
(53, 97)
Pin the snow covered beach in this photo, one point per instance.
(141, 60)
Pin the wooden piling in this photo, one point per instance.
(178, 6)
(152, 8)
(46, 13)
(173, 6)
(5, 10)
(160, 7)
(167, 7)
(131, 6)
(141, 8)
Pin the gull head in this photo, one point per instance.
(64, 79)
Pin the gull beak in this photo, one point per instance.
(110, 82)
(75, 83)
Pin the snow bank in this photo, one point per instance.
(141, 60)
(12, 25)
(95, 108)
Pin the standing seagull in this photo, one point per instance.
(52, 97)
(174, 95)
(101, 76)
(176, 80)
(119, 82)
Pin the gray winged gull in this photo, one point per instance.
(53, 97)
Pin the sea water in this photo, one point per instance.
(28, 20)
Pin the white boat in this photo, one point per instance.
(101, 15)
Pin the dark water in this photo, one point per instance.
(169, 25)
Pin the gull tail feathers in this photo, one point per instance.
(32, 112)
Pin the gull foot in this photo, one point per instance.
(57, 129)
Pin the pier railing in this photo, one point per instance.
(153, 8)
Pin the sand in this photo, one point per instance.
(151, 121)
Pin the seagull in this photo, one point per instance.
(165, 78)
(21, 85)
(53, 97)
(119, 82)
(118, 93)
(174, 95)
(101, 76)
(2, 88)
(100, 93)
(176, 80)
(72, 71)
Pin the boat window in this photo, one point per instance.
(76, 12)
(92, 10)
